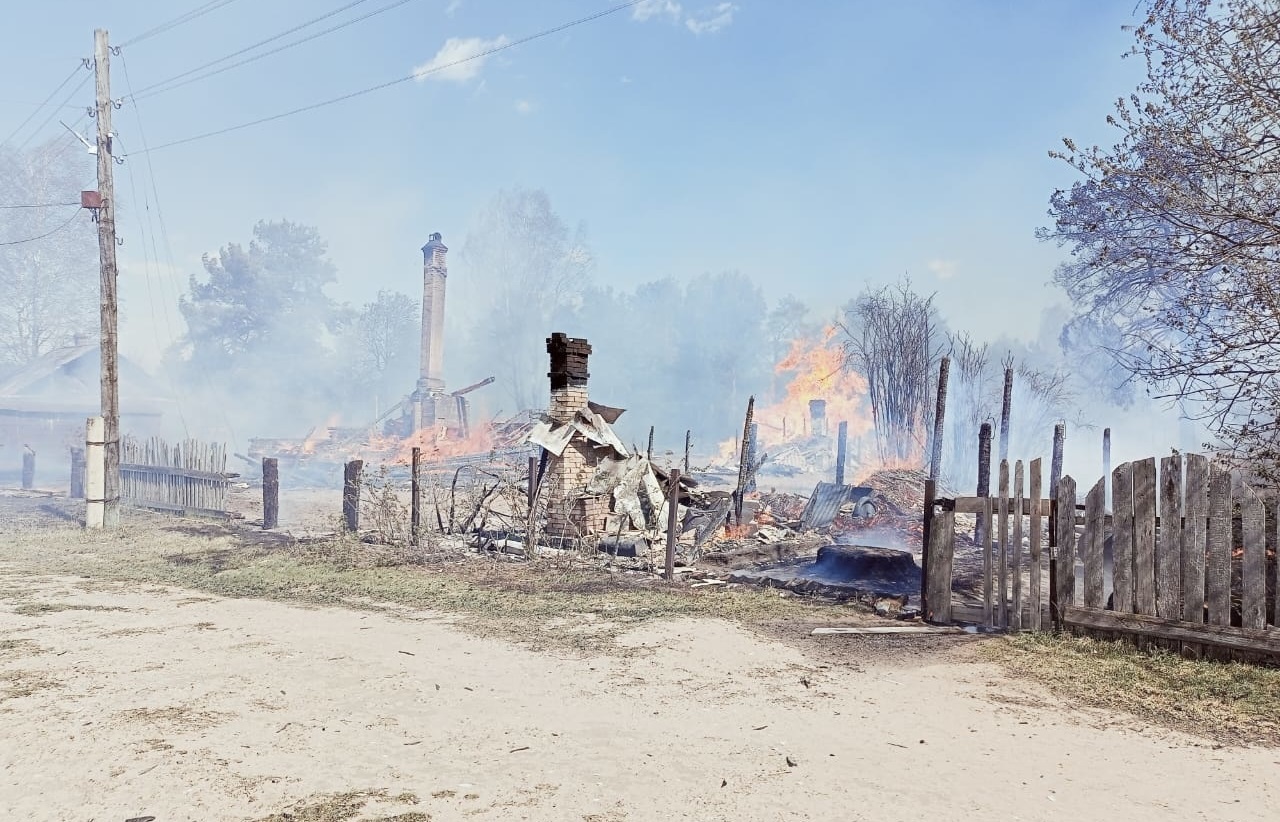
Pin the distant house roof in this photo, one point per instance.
(66, 380)
(43, 368)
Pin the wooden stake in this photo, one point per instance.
(351, 495)
(688, 441)
(1106, 468)
(673, 503)
(1006, 409)
(648, 454)
(939, 418)
(270, 493)
(842, 437)
(28, 469)
(984, 478)
(415, 496)
(1055, 466)
(930, 494)
(77, 473)
(742, 461)
(108, 314)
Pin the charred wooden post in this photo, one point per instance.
(688, 441)
(533, 481)
(984, 477)
(1006, 410)
(673, 504)
(28, 469)
(270, 493)
(77, 473)
(742, 461)
(842, 442)
(939, 419)
(351, 495)
(930, 494)
(648, 452)
(415, 496)
(753, 453)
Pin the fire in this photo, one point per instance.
(436, 445)
(319, 434)
(817, 371)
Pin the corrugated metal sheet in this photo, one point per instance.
(825, 501)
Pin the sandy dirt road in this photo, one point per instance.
(124, 701)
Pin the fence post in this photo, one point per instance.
(688, 441)
(842, 438)
(533, 481)
(937, 607)
(270, 493)
(77, 473)
(673, 503)
(28, 469)
(939, 420)
(1055, 466)
(351, 495)
(415, 496)
(95, 484)
(984, 478)
(930, 494)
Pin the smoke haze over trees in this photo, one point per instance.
(49, 288)
(1174, 231)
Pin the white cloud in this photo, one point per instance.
(649, 9)
(713, 20)
(446, 64)
(524, 106)
(943, 269)
(453, 7)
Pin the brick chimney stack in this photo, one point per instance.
(570, 512)
(434, 274)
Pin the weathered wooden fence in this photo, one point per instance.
(1179, 563)
(189, 478)
(1189, 558)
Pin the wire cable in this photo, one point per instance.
(197, 12)
(37, 205)
(47, 234)
(417, 75)
(32, 115)
(151, 90)
(54, 112)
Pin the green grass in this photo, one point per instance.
(1232, 703)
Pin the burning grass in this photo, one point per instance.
(1230, 703)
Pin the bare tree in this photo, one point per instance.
(892, 340)
(523, 255)
(1175, 231)
(48, 252)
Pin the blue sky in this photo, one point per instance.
(817, 146)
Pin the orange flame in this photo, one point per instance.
(437, 445)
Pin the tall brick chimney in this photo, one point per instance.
(570, 512)
(434, 274)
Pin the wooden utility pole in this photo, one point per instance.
(107, 260)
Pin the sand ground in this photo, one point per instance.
(120, 701)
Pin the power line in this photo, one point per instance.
(46, 235)
(149, 91)
(54, 112)
(38, 205)
(32, 115)
(414, 76)
(199, 11)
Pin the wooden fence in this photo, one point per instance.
(188, 478)
(1189, 560)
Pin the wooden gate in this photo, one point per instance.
(189, 478)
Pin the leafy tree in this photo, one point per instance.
(48, 286)
(1174, 231)
(385, 339)
(522, 254)
(259, 322)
